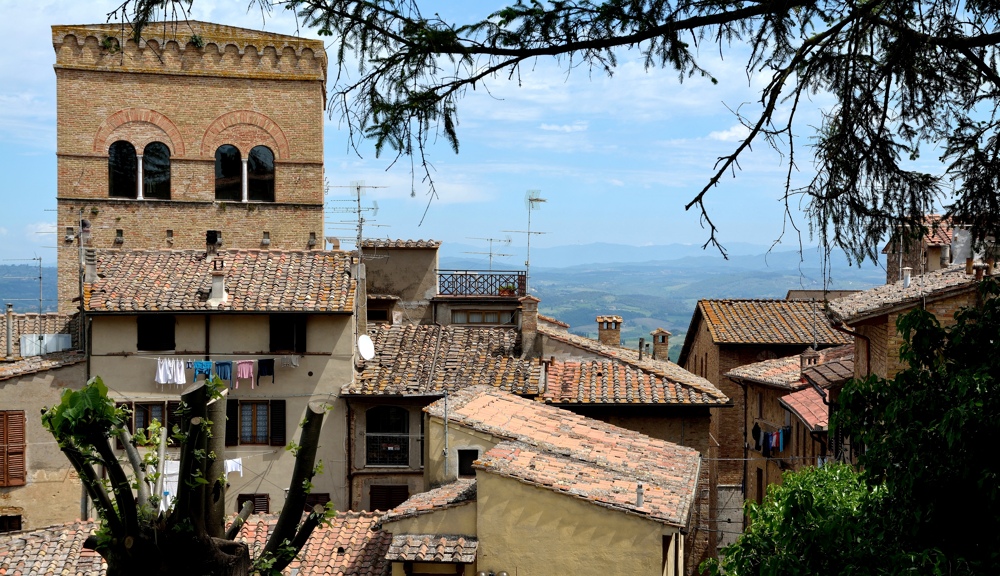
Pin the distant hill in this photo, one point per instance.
(19, 286)
(662, 292)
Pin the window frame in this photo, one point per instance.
(470, 472)
(13, 448)
(468, 312)
(255, 438)
(149, 151)
(276, 422)
(220, 175)
(128, 175)
(261, 502)
(154, 332)
(288, 333)
(378, 442)
(260, 183)
(10, 523)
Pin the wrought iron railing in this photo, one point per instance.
(507, 283)
(387, 449)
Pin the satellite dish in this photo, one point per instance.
(366, 347)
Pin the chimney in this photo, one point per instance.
(90, 265)
(218, 294)
(361, 297)
(906, 276)
(808, 359)
(609, 330)
(10, 330)
(661, 344)
(529, 327)
(642, 344)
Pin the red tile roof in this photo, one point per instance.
(893, 297)
(768, 322)
(33, 364)
(24, 324)
(433, 548)
(618, 382)
(459, 492)
(786, 373)
(425, 360)
(553, 321)
(938, 232)
(808, 406)
(657, 381)
(574, 452)
(348, 546)
(256, 281)
(388, 243)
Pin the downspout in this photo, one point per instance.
(839, 327)
(746, 443)
(350, 455)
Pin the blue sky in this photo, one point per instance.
(616, 158)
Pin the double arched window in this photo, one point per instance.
(133, 176)
(244, 180)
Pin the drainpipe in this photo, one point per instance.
(10, 330)
(350, 457)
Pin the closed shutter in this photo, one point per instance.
(232, 422)
(277, 425)
(261, 502)
(172, 419)
(315, 498)
(388, 496)
(13, 468)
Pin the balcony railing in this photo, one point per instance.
(503, 283)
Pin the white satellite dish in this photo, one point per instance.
(366, 347)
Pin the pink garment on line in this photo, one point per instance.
(244, 369)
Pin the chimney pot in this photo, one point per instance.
(218, 294)
(661, 344)
(907, 271)
(609, 330)
(638, 495)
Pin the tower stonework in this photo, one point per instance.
(229, 120)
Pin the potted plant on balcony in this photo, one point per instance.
(508, 290)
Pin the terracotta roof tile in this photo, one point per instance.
(786, 372)
(33, 364)
(562, 451)
(32, 323)
(808, 406)
(388, 243)
(348, 546)
(552, 321)
(256, 280)
(884, 299)
(422, 360)
(939, 232)
(768, 322)
(432, 548)
(617, 319)
(658, 381)
(461, 491)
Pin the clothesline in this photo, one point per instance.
(173, 370)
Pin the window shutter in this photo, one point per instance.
(16, 470)
(232, 422)
(262, 503)
(172, 418)
(387, 496)
(277, 413)
(314, 499)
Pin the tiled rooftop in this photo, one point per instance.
(348, 546)
(33, 364)
(422, 360)
(768, 322)
(31, 324)
(461, 491)
(432, 548)
(939, 232)
(808, 406)
(256, 280)
(586, 458)
(787, 372)
(617, 319)
(388, 243)
(616, 382)
(889, 297)
(635, 374)
(553, 321)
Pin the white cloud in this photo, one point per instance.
(615, 182)
(578, 126)
(734, 133)
(40, 233)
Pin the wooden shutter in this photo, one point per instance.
(277, 414)
(13, 468)
(261, 502)
(387, 496)
(315, 498)
(172, 418)
(232, 422)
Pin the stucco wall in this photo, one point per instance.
(439, 470)
(410, 273)
(52, 492)
(321, 372)
(364, 476)
(459, 519)
(526, 530)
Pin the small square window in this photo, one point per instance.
(261, 502)
(459, 317)
(10, 523)
(465, 460)
(288, 333)
(155, 332)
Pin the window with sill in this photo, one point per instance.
(134, 176)
(155, 332)
(387, 436)
(482, 316)
(141, 414)
(10, 523)
(465, 460)
(13, 466)
(255, 422)
(288, 333)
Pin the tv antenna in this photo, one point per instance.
(505, 241)
(532, 201)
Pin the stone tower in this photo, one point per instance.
(200, 134)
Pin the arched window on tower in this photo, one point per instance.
(156, 171)
(123, 167)
(260, 174)
(228, 173)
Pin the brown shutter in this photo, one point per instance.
(315, 498)
(3, 448)
(232, 422)
(15, 473)
(261, 502)
(277, 414)
(387, 496)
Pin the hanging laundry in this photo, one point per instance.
(202, 367)
(180, 376)
(781, 440)
(224, 370)
(164, 371)
(244, 371)
(756, 436)
(234, 465)
(189, 364)
(295, 360)
(265, 367)
(766, 445)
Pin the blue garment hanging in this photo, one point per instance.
(202, 367)
(224, 370)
